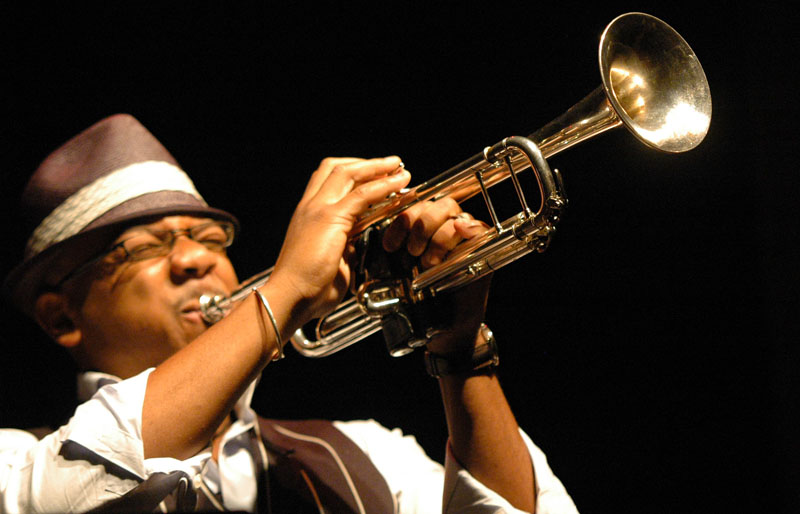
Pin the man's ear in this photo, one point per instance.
(53, 315)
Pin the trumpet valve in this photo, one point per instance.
(378, 298)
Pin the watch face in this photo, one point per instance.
(487, 333)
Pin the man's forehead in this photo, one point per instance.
(167, 223)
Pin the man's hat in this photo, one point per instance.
(110, 175)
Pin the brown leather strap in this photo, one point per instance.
(321, 464)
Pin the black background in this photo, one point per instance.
(650, 351)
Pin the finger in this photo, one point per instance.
(346, 177)
(467, 227)
(323, 171)
(358, 201)
(395, 235)
(428, 222)
(444, 239)
(459, 228)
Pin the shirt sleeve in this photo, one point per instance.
(417, 481)
(96, 457)
(14, 444)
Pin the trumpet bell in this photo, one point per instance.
(654, 82)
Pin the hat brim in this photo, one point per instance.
(30, 278)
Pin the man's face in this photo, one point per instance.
(136, 314)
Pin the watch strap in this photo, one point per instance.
(482, 356)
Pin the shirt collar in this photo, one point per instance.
(90, 382)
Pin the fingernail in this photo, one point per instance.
(400, 167)
(468, 224)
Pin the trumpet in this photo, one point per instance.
(652, 84)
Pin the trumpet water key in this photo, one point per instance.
(652, 84)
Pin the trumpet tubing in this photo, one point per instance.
(652, 84)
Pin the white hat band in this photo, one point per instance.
(102, 195)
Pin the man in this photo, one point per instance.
(122, 249)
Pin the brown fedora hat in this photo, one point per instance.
(113, 174)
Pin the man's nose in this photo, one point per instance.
(190, 259)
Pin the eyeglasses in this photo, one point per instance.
(146, 243)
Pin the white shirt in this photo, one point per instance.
(34, 477)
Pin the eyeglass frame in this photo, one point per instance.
(168, 239)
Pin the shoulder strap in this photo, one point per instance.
(324, 466)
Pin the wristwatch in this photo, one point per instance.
(482, 356)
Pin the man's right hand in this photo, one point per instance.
(312, 263)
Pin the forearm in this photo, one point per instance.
(200, 384)
(484, 437)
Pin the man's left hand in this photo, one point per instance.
(430, 230)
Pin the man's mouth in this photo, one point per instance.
(191, 312)
(190, 307)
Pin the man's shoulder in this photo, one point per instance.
(13, 440)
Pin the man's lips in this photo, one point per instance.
(190, 303)
(192, 313)
(191, 307)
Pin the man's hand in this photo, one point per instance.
(430, 230)
(311, 262)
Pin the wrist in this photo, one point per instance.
(276, 329)
(480, 358)
(290, 306)
(282, 315)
